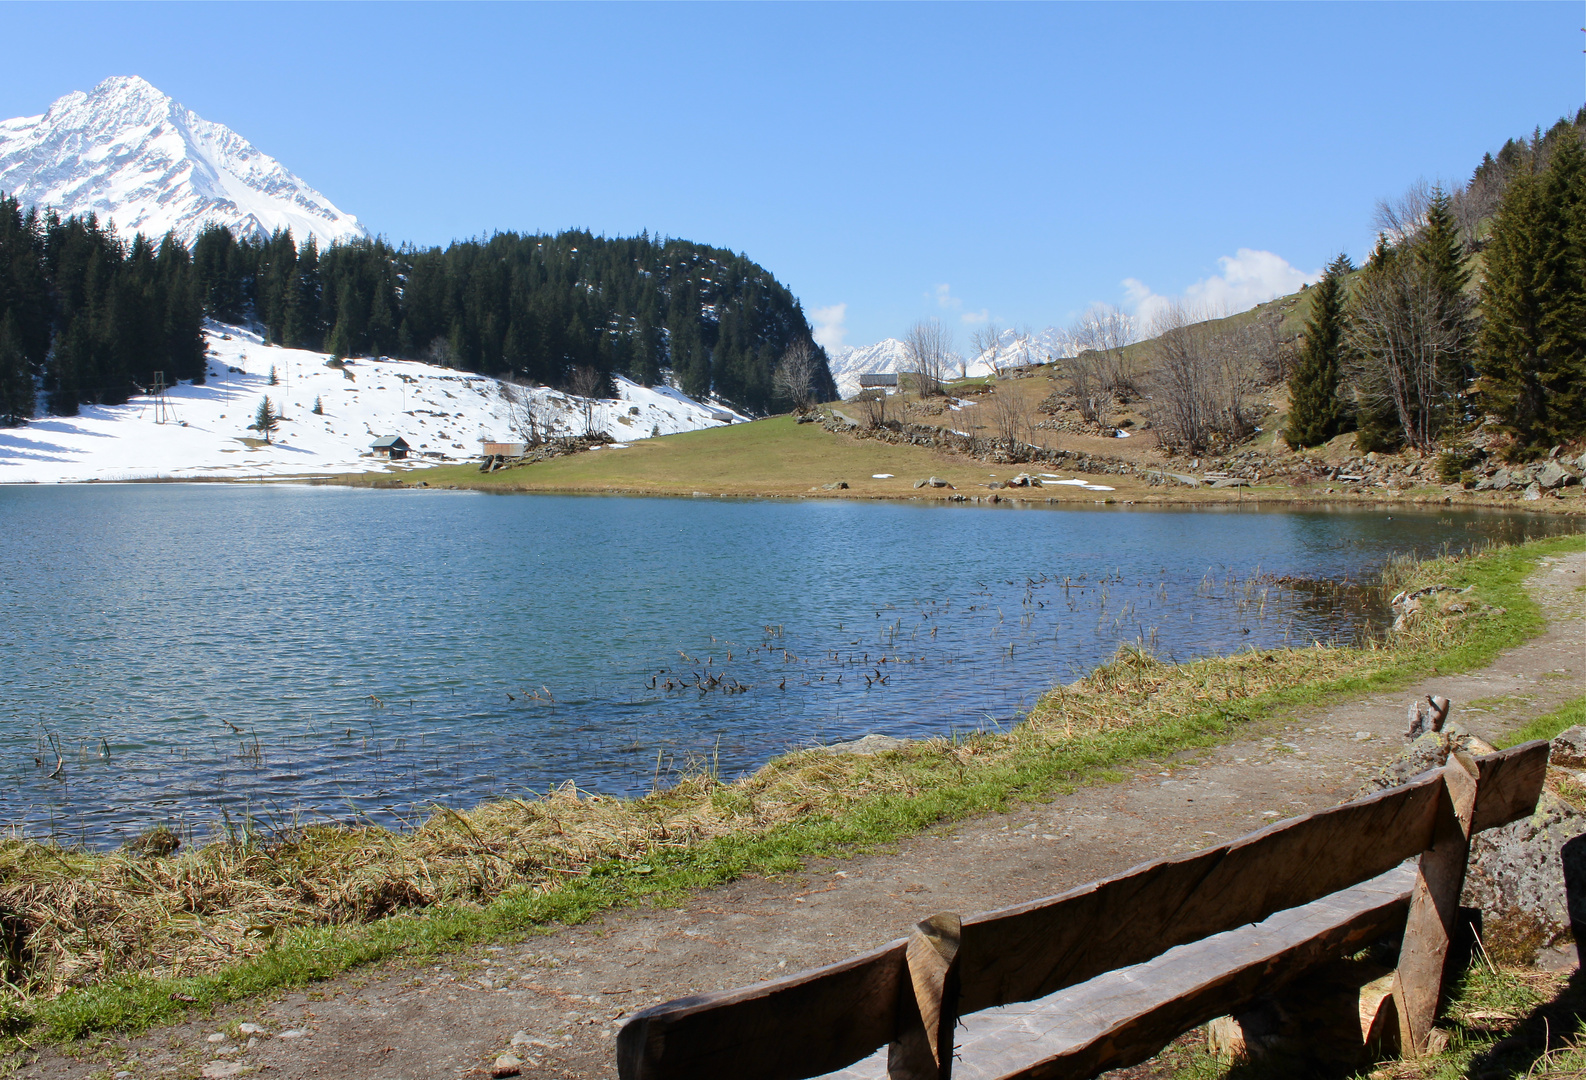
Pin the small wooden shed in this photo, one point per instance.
(394, 447)
(878, 379)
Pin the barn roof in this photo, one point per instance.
(390, 442)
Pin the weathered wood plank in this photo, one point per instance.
(927, 1013)
(1434, 907)
(1230, 981)
(1036, 949)
(1119, 1019)
(785, 1029)
(1508, 784)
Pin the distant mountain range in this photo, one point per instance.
(848, 362)
(128, 153)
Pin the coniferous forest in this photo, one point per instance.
(1472, 307)
(91, 318)
(530, 307)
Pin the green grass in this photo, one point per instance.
(775, 456)
(1565, 716)
(924, 785)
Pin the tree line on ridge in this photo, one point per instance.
(91, 318)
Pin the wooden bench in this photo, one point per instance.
(1331, 874)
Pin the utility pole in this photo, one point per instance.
(162, 407)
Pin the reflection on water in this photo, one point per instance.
(178, 653)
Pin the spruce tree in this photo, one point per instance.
(1439, 249)
(1316, 410)
(1529, 356)
(265, 419)
(1563, 286)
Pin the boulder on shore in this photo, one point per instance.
(1516, 874)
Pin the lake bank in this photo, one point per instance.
(567, 857)
(780, 458)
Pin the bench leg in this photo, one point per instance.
(1418, 984)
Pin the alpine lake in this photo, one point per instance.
(272, 655)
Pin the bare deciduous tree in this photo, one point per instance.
(1202, 382)
(1097, 372)
(1106, 331)
(1085, 382)
(440, 353)
(1407, 344)
(1401, 217)
(1010, 424)
(929, 347)
(524, 412)
(585, 383)
(794, 377)
(874, 404)
(987, 342)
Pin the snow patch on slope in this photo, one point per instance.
(129, 153)
(204, 430)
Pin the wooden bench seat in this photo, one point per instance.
(1130, 1014)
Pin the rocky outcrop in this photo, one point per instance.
(1517, 874)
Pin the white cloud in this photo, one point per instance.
(948, 302)
(831, 331)
(1248, 278)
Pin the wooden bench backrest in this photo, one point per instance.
(822, 1020)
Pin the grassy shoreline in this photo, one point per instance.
(119, 942)
(779, 458)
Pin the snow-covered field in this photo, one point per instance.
(203, 431)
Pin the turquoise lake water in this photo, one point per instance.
(287, 654)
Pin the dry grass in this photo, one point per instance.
(73, 919)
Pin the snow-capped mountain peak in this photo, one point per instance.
(132, 155)
(1014, 349)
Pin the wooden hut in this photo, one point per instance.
(394, 447)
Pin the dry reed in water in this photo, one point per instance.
(71, 918)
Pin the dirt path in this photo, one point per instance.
(564, 995)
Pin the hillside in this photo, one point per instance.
(530, 305)
(203, 431)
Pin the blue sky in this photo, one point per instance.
(886, 161)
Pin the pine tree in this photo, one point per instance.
(274, 381)
(319, 409)
(1316, 410)
(266, 419)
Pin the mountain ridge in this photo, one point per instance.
(128, 153)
